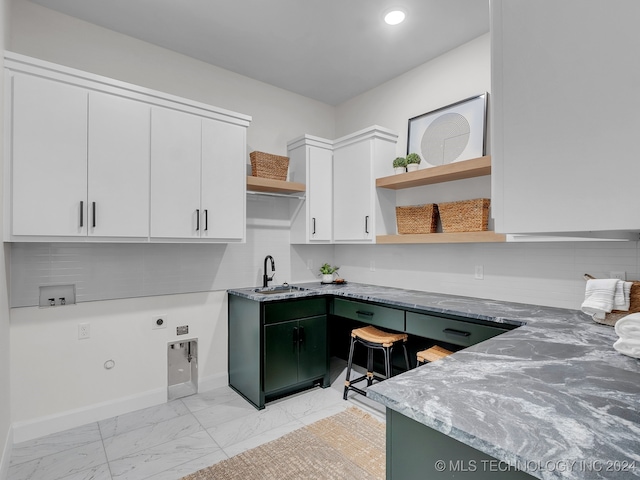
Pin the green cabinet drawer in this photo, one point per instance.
(276, 312)
(457, 332)
(372, 314)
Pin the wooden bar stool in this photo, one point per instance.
(372, 338)
(432, 354)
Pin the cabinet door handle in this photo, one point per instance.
(93, 214)
(206, 220)
(197, 219)
(366, 314)
(295, 337)
(314, 226)
(81, 214)
(459, 333)
(301, 335)
(366, 224)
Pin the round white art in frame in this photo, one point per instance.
(450, 134)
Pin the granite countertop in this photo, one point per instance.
(551, 397)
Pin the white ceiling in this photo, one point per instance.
(329, 50)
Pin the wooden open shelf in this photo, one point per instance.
(259, 184)
(476, 167)
(458, 237)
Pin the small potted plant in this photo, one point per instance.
(413, 160)
(327, 272)
(400, 165)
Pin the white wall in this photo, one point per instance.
(61, 381)
(5, 346)
(548, 274)
(538, 273)
(278, 115)
(461, 73)
(58, 380)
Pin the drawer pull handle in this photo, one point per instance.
(459, 333)
(367, 314)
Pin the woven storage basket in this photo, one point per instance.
(267, 165)
(465, 216)
(417, 218)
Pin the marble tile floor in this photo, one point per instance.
(169, 441)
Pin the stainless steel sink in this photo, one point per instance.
(278, 289)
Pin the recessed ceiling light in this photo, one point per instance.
(394, 17)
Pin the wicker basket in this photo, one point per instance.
(267, 165)
(417, 218)
(465, 216)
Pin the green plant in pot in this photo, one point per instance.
(327, 272)
(413, 160)
(400, 165)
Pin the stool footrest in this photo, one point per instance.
(373, 339)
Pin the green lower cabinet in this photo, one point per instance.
(417, 452)
(294, 352)
(277, 348)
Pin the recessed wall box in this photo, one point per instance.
(57, 295)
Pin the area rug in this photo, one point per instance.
(349, 445)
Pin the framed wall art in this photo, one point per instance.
(450, 134)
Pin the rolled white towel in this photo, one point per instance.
(628, 329)
(622, 296)
(599, 296)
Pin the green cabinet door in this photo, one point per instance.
(280, 355)
(294, 352)
(313, 357)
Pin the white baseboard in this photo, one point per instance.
(6, 455)
(213, 381)
(38, 427)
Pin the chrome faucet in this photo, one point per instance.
(266, 278)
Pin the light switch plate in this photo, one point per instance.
(479, 275)
(618, 275)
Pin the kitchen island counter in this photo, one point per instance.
(551, 397)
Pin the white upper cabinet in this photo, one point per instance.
(565, 122)
(311, 163)
(175, 174)
(95, 159)
(49, 158)
(359, 211)
(198, 177)
(224, 182)
(118, 176)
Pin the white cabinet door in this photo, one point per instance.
(223, 180)
(565, 121)
(175, 174)
(352, 193)
(320, 193)
(49, 158)
(118, 180)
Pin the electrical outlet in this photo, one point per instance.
(310, 264)
(618, 275)
(372, 265)
(479, 275)
(84, 331)
(159, 321)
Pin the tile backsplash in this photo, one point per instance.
(538, 273)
